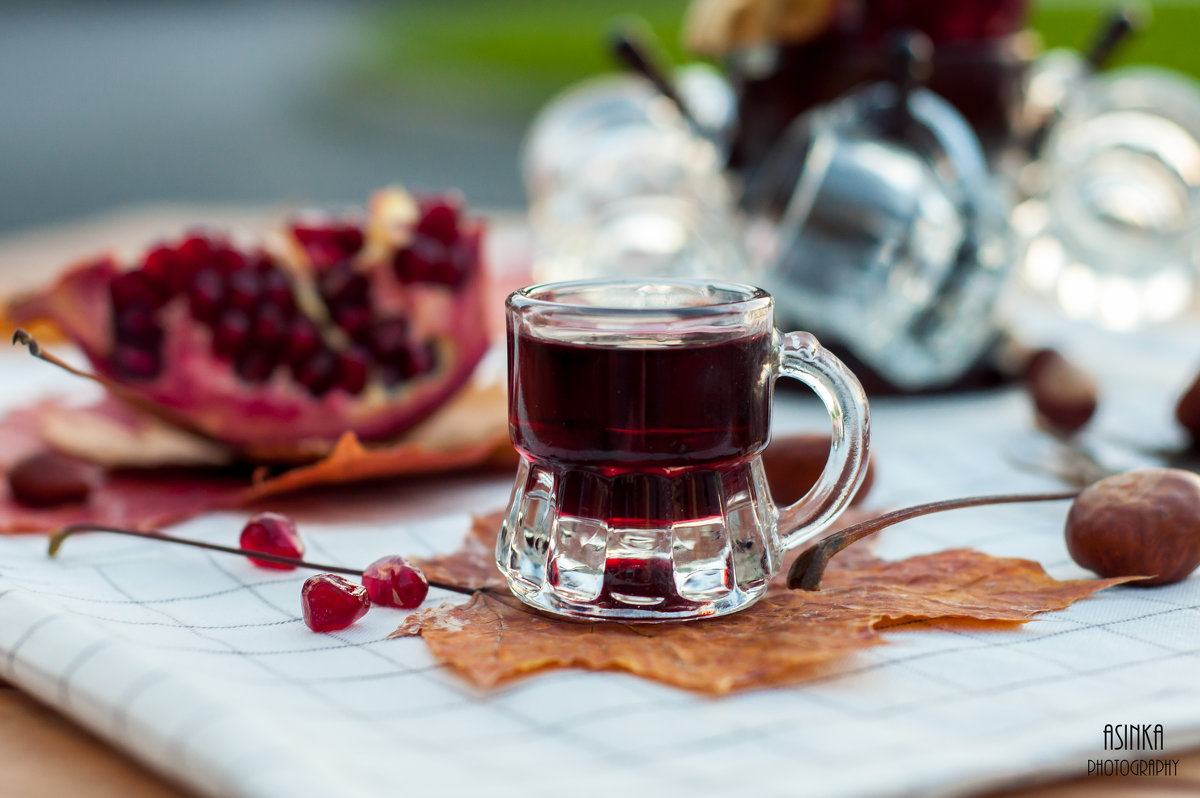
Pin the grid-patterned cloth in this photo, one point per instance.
(199, 666)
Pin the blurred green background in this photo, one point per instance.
(303, 102)
(519, 51)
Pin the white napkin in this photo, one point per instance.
(198, 664)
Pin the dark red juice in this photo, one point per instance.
(640, 407)
(639, 435)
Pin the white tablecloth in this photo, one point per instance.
(199, 665)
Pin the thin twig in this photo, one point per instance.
(57, 539)
(809, 568)
(24, 338)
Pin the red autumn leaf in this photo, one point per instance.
(142, 501)
(494, 637)
(469, 432)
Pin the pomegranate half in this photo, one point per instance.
(277, 349)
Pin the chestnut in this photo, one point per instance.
(1187, 411)
(1064, 395)
(1141, 523)
(794, 463)
(50, 479)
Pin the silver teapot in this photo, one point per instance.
(876, 225)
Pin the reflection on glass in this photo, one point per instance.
(1111, 229)
(884, 234)
(620, 184)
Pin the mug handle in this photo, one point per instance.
(802, 358)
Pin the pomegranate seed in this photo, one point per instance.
(231, 332)
(136, 363)
(245, 287)
(356, 321)
(428, 260)
(350, 236)
(262, 262)
(164, 266)
(303, 338)
(318, 372)
(331, 602)
(446, 273)
(342, 286)
(229, 261)
(270, 326)
(419, 359)
(389, 338)
(328, 243)
(196, 249)
(395, 582)
(439, 219)
(388, 374)
(272, 533)
(463, 257)
(257, 365)
(277, 289)
(422, 261)
(138, 325)
(135, 288)
(206, 294)
(353, 368)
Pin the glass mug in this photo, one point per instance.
(640, 410)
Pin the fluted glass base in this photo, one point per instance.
(640, 546)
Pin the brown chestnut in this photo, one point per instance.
(1064, 395)
(1142, 523)
(50, 479)
(1187, 412)
(794, 464)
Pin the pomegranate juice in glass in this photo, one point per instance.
(640, 410)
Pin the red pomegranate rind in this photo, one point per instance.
(72, 303)
(224, 344)
(140, 501)
(469, 431)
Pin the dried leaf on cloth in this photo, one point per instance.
(493, 637)
(469, 432)
(118, 498)
(474, 563)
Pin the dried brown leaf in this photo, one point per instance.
(958, 583)
(470, 431)
(474, 563)
(494, 637)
